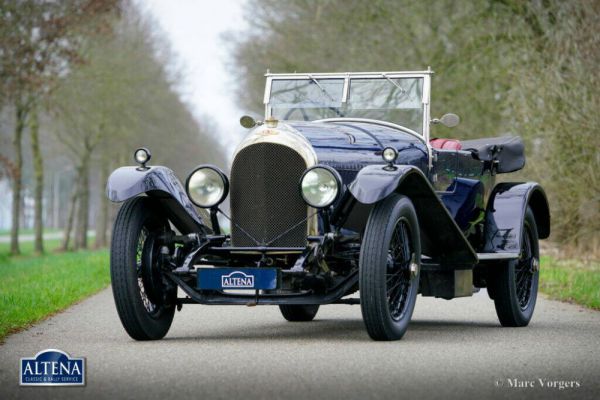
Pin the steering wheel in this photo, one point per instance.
(291, 111)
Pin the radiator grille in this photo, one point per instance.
(265, 198)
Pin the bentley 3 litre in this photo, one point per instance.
(341, 189)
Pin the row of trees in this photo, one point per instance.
(505, 66)
(87, 80)
(41, 41)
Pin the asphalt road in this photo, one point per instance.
(453, 349)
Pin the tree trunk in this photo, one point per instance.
(17, 179)
(102, 220)
(38, 172)
(84, 202)
(71, 215)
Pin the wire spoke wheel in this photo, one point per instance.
(525, 270)
(148, 273)
(514, 284)
(145, 302)
(389, 268)
(398, 279)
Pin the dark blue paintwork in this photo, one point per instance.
(444, 238)
(160, 182)
(506, 212)
(464, 200)
(350, 146)
(354, 149)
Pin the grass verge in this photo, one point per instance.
(571, 280)
(32, 288)
(50, 246)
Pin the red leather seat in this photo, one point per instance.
(445, 144)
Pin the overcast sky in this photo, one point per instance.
(194, 29)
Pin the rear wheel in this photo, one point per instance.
(514, 284)
(389, 268)
(144, 302)
(299, 312)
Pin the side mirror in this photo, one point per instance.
(450, 120)
(248, 122)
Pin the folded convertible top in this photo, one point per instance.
(509, 151)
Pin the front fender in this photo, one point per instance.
(505, 214)
(161, 183)
(374, 182)
(441, 238)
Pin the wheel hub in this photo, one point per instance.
(535, 264)
(414, 267)
(151, 276)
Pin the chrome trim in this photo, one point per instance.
(345, 89)
(345, 75)
(427, 116)
(285, 135)
(497, 256)
(372, 74)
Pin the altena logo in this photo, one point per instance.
(237, 279)
(52, 367)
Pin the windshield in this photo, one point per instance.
(397, 100)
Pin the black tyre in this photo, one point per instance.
(389, 268)
(144, 304)
(514, 284)
(299, 312)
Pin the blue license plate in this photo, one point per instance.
(237, 278)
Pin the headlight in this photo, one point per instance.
(207, 186)
(142, 156)
(389, 155)
(320, 186)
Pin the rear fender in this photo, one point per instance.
(441, 238)
(160, 183)
(505, 214)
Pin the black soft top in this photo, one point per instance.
(508, 151)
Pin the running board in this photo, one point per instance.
(432, 264)
(497, 256)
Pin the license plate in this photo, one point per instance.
(237, 278)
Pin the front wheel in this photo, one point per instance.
(144, 302)
(514, 284)
(389, 268)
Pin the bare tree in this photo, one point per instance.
(40, 39)
(121, 99)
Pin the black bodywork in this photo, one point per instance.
(466, 221)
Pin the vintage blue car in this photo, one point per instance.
(340, 189)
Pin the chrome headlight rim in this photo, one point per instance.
(389, 155)
(142, 155)
(338, 180)
(224, 180)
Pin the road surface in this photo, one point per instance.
(453, 349)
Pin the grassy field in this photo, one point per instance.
(32, 288)
(27, 248)
(571, 280)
